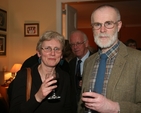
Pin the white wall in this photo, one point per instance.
(59, 12)
(19, 12)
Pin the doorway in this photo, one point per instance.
(130, 17)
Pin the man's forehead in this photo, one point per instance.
(105, 14)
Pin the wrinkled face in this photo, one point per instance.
(78, 45)
(51, 53)
(106, 37)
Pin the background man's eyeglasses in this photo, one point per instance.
(107, 24)
(77, 44)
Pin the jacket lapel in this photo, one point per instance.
(117, 70)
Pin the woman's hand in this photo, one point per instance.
(46, 87)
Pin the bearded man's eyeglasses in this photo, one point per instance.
(107, 24)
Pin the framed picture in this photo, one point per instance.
(3, 20)
(31, 29)
(2, 44)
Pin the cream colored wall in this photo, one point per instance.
(23, 11)
(3, 59)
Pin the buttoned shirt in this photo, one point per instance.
(83, 60)
(111, 54)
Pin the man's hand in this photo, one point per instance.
(99, 103)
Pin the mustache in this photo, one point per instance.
(103, 35)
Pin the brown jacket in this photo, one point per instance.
(124, 85)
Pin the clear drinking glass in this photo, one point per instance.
(90, 88)
(54, 96)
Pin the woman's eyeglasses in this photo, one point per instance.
(49, 49)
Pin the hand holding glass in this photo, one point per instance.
(54, 96)
(90, 88)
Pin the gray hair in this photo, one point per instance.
(85, 38)
(49, 35)
(105, 6)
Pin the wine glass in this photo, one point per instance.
(90, 88)
(54, 96)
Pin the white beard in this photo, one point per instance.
(111, 39)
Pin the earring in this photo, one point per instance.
(39, 60)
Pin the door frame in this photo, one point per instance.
(59, 12)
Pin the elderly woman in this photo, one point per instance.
(49, 49)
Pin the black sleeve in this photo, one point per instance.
(68, 95)
(18, 102)
(64, 84)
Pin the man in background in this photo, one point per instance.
(131, 43)
(79, 45)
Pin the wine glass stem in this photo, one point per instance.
(89, 111)
(53, 92)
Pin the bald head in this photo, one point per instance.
(79, 43)
(114, 11)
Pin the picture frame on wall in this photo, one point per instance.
(3, 20)
(2, 44)
(31, 29)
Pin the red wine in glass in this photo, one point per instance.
(54, 96)
(90, 88)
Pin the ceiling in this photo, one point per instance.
(130, 11)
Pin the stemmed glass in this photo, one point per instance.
(54, 96)
(90, 88)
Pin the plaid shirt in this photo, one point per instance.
(109, 65)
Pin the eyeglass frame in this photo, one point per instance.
(105, 23)
(48, 49)
(77, 44)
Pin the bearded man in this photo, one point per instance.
(117, 86)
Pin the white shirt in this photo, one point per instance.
(83, 60)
